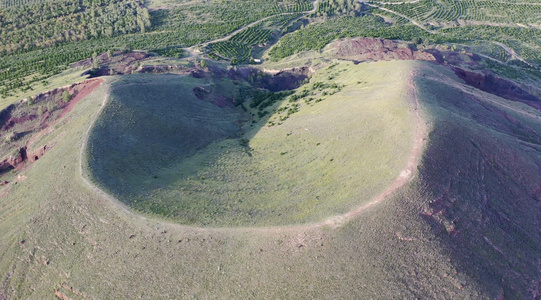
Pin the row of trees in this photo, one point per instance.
(49, 24)
(47, 52)
(330, 8)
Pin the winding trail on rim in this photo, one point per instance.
(404, 177)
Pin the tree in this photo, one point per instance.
(95, 64)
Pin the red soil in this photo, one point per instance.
(493, 84)
(12, 121)
(371, 49)
(200, 92)
(25, 156)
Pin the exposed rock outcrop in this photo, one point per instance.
(372, 49)
(490, 83)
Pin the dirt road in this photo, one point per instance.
(192, 52)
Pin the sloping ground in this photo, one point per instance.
(153, 122)
(27, 125)
(467, 226)
(482, 176)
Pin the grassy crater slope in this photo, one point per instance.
(466, 227)
(161, 150)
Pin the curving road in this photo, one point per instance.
(512, 53)
(398, 14)
(192, 50)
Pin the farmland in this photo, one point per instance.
(481, 11)
(252, 36)
(238, 47)
(236, 51)
(32, 56)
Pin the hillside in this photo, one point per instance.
(465, 226)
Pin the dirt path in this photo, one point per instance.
(336, 221)
(191, 50)
(512, 53)
(400, 15)
(82, 151)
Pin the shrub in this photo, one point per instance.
(12, 136)
(66, 96)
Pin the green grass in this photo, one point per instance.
(183, 167)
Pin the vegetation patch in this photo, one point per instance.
(237, 52)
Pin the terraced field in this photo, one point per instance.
(252, 36)
(235, 51)
(469, 10)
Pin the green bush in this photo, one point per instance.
(66, 96)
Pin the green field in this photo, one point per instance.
(469, 10)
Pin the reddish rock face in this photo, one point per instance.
(12, 121)
(378, 49)
(200, 92)
(17, 161)
(14, 161)
(471, 78)
(23, 120)
(493, 84)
